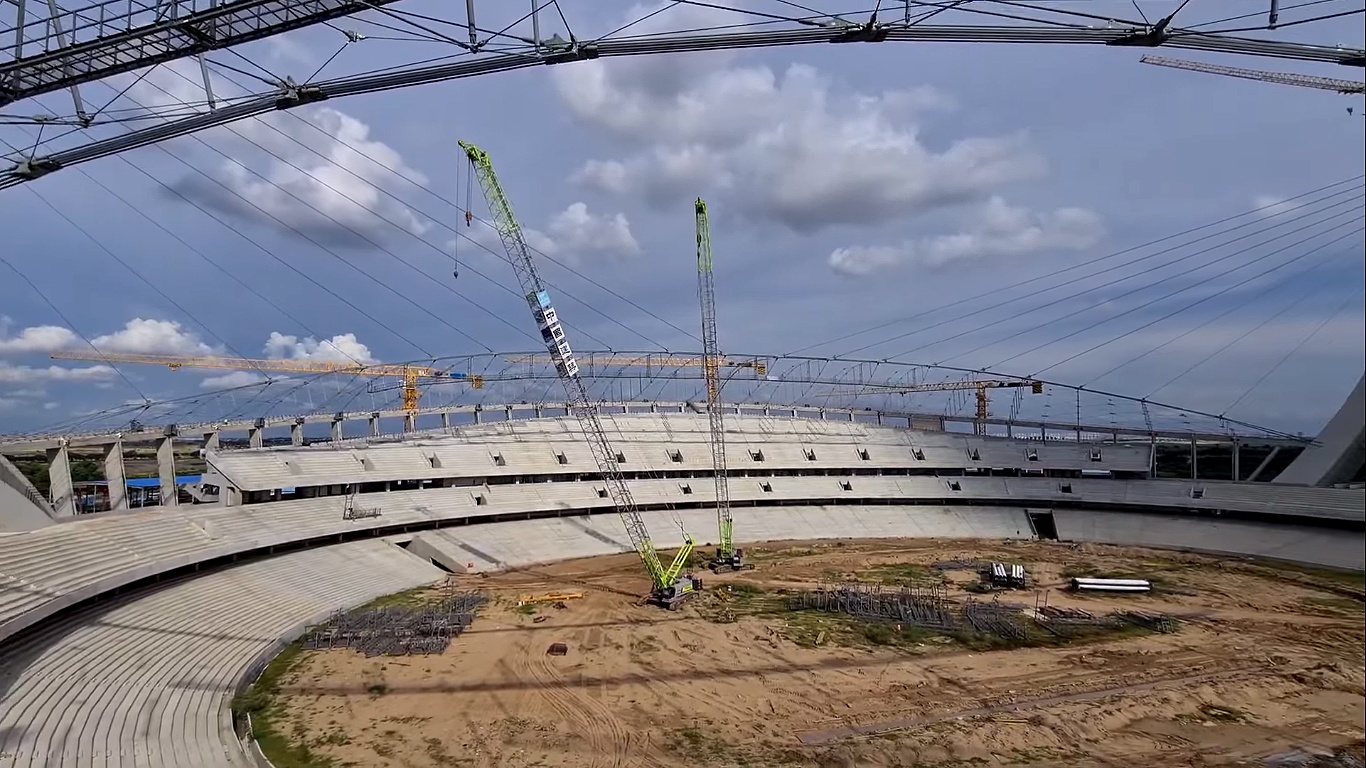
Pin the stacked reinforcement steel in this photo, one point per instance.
(398, 630)
(927, 607)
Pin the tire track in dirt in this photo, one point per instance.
(812, 738)
(608, 740)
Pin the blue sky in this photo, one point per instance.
(850, 186)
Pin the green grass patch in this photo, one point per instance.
(411, 598)
(263, 703)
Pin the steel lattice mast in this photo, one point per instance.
(711, 367)
(579, 402)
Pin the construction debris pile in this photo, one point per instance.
(397, 630)
(928, 607)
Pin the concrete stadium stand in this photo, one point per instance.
(60, 585)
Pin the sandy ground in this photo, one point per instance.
(1267, 659)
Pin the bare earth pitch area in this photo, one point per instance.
(1265, 660)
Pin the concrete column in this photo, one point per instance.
(507, 413)
(170, 492)
(296, 432)
(822, 413)
(478, 415)
(256, 437)
(211, 440)
(62, 493)
(1236, 446)
(654, 408)
(1195, 472)
(410, 422)
(114, 474)
(374, 424)
(337, 434)
(879, 417)
(445, 420)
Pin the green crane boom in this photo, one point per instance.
(711, 367)
(666, 583)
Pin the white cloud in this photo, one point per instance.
(154, 337)
(232, 380)
(796, 148)
(39, 339)
(24, 374)
(575, 234)
(316, 170)
(578, 233)
(1268, 206)
(138, 336)
(342, 348)
(996, 230)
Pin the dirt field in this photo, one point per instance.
(1265, 660)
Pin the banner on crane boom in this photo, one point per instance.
(552, 334)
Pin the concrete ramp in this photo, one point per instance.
(443, 548)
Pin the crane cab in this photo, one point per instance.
(677, 593)
(736, 562)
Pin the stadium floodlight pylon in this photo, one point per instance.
(669, 585)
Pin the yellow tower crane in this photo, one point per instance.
(410, 374)
(980, 386)
(1349, 87)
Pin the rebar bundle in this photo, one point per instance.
(399, 630)
(1154, 621)
(927, 607)
(995, 618)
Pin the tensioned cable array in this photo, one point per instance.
(1340, 190)
(1021, 24)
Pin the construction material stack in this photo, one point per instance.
(669, 585)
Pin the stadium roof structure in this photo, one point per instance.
(806, 383)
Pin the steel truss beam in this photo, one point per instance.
(290, 95)
(53, 48)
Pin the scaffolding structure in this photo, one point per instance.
(396, 630)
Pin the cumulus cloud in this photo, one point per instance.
(575, 235)
(24, 374)
(342, 348)
(39, 339)
(232, 380)
(138, 336)
(793, 147)
(323, 175)
(995, 230)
